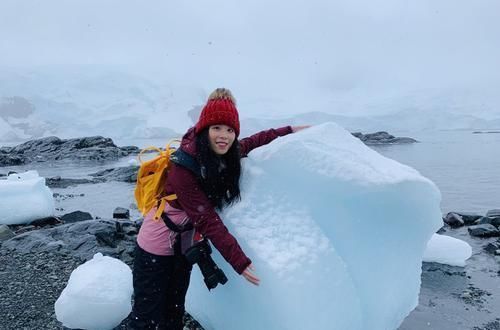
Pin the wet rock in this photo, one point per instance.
(493, 213)
(5, 233)
(492, 247)
(23, 229)
(382, 138)
(485, 230)
(52, 148)
(80, 240)
(453, 220)
(49, 221)
(441, 230)
(58, 182)
(123, 174)
(76, 216)
(495, 221)
(121, 213)
(469, 218)
(66, 196)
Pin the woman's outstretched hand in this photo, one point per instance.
(250, 276)
(295, 129)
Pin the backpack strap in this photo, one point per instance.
(182, 158)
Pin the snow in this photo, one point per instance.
(447, 250)
(24, 197)
(97, 296)
(336, 233)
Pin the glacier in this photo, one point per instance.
(336, 233)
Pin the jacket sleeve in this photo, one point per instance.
(204, 217)
(262, 138)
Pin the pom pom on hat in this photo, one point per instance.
(220, 109)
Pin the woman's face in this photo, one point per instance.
(221, 138)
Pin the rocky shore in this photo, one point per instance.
(36, 259)
(52, 148)
(382, 137)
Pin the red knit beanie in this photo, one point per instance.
(219, 111)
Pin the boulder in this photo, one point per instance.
(58, 182)
(81, 240)
(76, 216)
(493, 213)
(495, 221)
(49, 221)
(469, 218)
(492, 247)
(454, 220)
(121, 213)
(485, 230)
(382, 138)
(123, 174)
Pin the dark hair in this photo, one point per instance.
(220, 174)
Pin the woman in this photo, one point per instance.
(161, 271)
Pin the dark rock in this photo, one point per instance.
(24, 229)
(492, 247)
(11, 160)
(441, 230)
(49, 221)
(453, 220)
(485, 230)
(76, 216)
(5, 233)
(469, 218)
(107, 238)
(124, 174)
(52, 148)
(493, 213)
(81, 240)
(93, 141)
(58, 182)
(382, 138)
(121, 213)
(490, 220)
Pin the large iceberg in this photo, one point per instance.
(336, 233)
(24, 197)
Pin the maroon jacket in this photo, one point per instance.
(192, 199)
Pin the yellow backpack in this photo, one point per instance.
(151, 178)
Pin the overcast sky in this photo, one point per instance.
(336, 50)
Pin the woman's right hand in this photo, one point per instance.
(250, 276)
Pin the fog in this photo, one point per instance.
(355, 57)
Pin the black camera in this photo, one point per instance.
(199, 254)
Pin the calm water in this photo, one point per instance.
(465, 166)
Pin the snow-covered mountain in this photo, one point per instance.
(82, 102)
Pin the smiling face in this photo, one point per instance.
(221, 138)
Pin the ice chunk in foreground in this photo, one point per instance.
(98, 295)
(24, 197)
(335, 231)
(447, 250)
